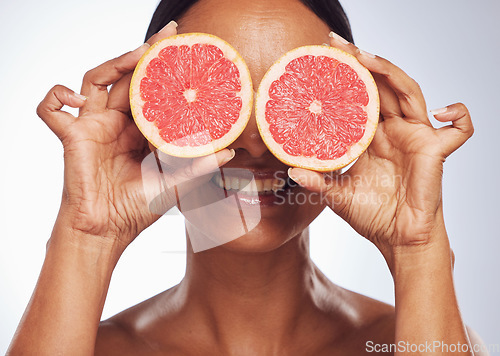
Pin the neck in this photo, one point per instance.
(268, 293)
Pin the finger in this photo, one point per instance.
(169, 30)
(159, 198)
(96, 81)
(169, 163)
(410, 96)
(189, 178)
(389, 102)
(49, 109)
(460, 130)
(201, 166)
(407, 90)
(174, 187)
(118, 95)
(332, 185)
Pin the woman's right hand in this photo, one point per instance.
(107, 181)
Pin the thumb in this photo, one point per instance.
(167, 182)
(49, 109)
(460, 129)
(333, 185)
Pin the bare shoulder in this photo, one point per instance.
(479, 347)
(376, 326)
(119, 336)
(113, 338)
(363, 321)
(374, 321)
(128, 332)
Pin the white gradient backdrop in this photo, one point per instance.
(451, 47)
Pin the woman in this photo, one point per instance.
(258, 294)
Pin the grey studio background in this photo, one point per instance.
(451, 47)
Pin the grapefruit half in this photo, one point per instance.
(317, 107)
(191, 94)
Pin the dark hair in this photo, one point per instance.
(330, 11)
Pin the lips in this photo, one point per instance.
(246, 181)
(253, 186)
(265, 188)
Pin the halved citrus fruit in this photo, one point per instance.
(191, 94)
(317, 107)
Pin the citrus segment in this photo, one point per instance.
(191, 94)
(317, 107)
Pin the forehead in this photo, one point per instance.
(260, 30)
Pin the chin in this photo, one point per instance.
(262, 239)
(247, 229)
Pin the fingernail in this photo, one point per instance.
(338, 38)
(80, 96)
(227, 159)
(296, 179)
(367, 54)
(143, 47)
(439, 111)
(170, 24)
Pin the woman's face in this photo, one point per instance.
(261, 31)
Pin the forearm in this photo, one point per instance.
(427, 311)
(63, 314)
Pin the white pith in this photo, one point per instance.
(190, 95)
(249, 186)
(372, 109)
(315, 107)
(150, 131)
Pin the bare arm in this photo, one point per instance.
(392, 195)
(427, 311)
(63, 314)
(109, 177)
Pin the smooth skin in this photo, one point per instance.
(272, 300)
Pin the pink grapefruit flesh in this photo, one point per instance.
(317, 107)
(191, 95)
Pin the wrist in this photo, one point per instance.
(95, 228)
(422, 259)
(105, 251)
(434, 253)
(425, 298)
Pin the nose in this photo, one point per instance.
(250, 139)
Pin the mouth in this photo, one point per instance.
(263, 188)
(252, 183)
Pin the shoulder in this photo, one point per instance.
(132, 332)
(118, 337)
(478, 345)
(115, 338)
(374, 324)
(370, 316)
(365, 323)
(375, 319)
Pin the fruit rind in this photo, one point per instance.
(313, 163)
(151, 132)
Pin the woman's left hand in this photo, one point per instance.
(392, 193)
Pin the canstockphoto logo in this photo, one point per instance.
(216, 213)
(436, 346)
